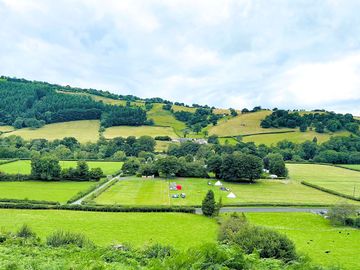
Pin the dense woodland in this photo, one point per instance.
(319, 121)
(34, 104)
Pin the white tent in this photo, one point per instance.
(218, 183)
(231, 195)
(273, 176)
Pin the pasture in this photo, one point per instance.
(42, 190)
(126, 131)
(24, 166)
(165, 118)
(296, 137)
(176, 229)
(138, 191)
(351, 166)
(330, 177)
(315, 237)
(228, 141)
(242, 124)
(83, 131)
(162, 146)
(6, 128)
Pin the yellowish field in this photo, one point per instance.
(6, 128)
(165, 118)
(83, 131)
(162, 146)
(125, 131)
(178, 108)
(296, 137)
(242, 124)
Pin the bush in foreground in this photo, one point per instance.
(63, 238)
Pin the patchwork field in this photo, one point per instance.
(24, 166)
(165, 118)
(156, 192)
(296, 137)
(125, 131)
(242, 124)
(315, 237)
(6, 128)
(138, 229)
(330, 177)
(83, 131)
(42, 190)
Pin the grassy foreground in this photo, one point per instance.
(42, 190)
(176, 229)
(83, 131)
(137, 191)
(315, 237)
(330, 177)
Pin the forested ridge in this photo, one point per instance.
(34, 104)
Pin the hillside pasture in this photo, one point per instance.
(162, 146)
(83, 131)
(6, 128)
(178, 108)
(315, 237)
(138, 191)
(165, 118)
(351, 166)
(16, 167)
(242, 124)
(125, 131)
(329, 177)
(138, 229)
(296, 137)
(42, 190)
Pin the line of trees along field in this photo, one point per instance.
(34, 104)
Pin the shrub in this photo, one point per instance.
(208, 206)
(162, 138)
(25, 232)
(64, 238)
(158, 251)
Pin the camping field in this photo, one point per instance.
(296, 137)
(126, 131)
(175, 229)
(315, 237)
(83, 131)
(24, 166)
(138, 191)
(330, 177)
(42, 190)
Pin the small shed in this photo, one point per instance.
(231, 195)
(218, 183)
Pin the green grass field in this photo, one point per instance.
(42, 190)
(6, 128)
(178, 108)
(242, 124)
(24, 166)
(296, 137)
(165, 118)
(176, 229)
(330, 177)
(351, 166)
(313, 236)
(156, 192)
(83, 131)
(229, 141)
(126, 131)
(162, 146)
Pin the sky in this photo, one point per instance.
(274, 53)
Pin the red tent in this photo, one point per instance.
(178, 187)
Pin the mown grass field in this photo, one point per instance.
(126, 131)
(296, 137)
(314, 236)
(42, 190)
(6, 128)
(24, 166)
(351, 166)
(138, 191)
(165, 118)
(330, 177)
(83, 131)
(242, 124)
(175, 229)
